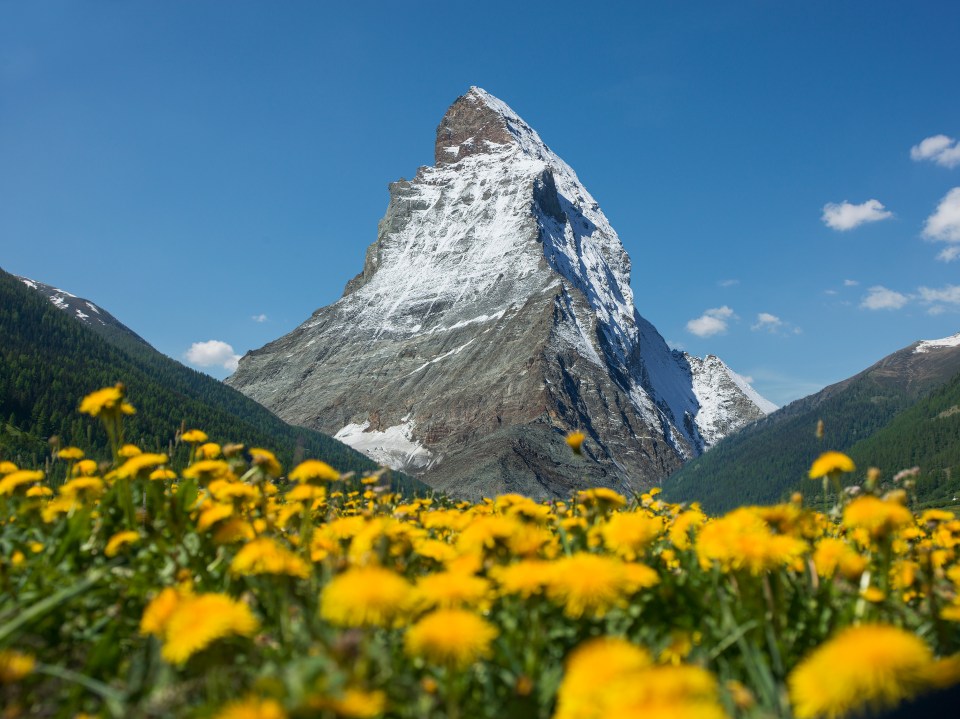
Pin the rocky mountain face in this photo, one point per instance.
(493, 315)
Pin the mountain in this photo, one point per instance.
(886, 416)
(94, 317)
(494, 314)
(50, 357)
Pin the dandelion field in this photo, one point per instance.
(210, 582)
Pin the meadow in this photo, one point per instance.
(210, 581)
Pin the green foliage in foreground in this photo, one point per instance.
(47, 359)
(210, 586)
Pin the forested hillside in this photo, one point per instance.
(48, 361)
(769, 459)
(927, 435)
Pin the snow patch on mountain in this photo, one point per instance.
(927, 345)
(393, 447)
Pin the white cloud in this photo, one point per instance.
(949, 294)
(850, 283)
(728, 283)
(767, 321)
(880, 298)
(944, 224)
(845, 216)
(949, 254)
(940, 149)
(711, 322)
(212, 353)
(259, 318)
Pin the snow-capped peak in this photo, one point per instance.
(478, 122)
(495, 303)
(927, 345)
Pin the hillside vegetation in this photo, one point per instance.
(48, 359)
(881, 417)
(211, 585)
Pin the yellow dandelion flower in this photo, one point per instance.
(85, 468)
(129, 450)
(877, 516)
(454, 638)
(71, 454)
(449, 519)
(662, 692)
(590, 668)
(208, 470)
(120, 540)
(872, 666)
(234, 530)
(198, 621)
(628, 535)
(55, 507)
(353, 704)
(524, 578)
(15, 665)
(227, 491)
(602, 498)
(209, 450)
(267, 556)
(313, 471)
(140, 464)
(83, 489)
(683, 524)
(107, 400)
(7, 467)
(680, 646)
(590, 584)
(156, 615)
(831, 463)
(528, 540)
(306, 493)
(488, 533)
(12, 482)
(266, 460)
(366, 596)
(194, 436)
(932, 516)
(742, 540)
(212, 513)
(162, 474)
(575, 441)
(834, 554)
(252, 708)
(448, 590)
(435, 549)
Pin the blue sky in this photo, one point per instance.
(216, 170)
